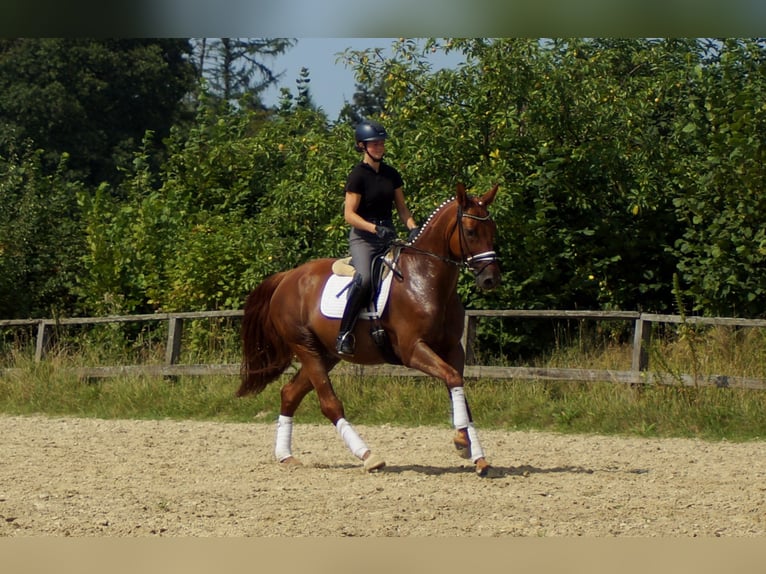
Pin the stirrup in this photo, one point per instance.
(345, 343)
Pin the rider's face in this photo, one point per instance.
(376, 149)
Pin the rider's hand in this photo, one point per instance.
(385, 233)
(413, 234)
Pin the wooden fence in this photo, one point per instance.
(639, 372)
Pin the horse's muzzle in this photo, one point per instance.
(488, 278)
(484, 265)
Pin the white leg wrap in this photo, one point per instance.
(283, 448)
(459, 408)
(476, 451)
(461, 420)
(353, 441)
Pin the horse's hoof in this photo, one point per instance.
(373, 463)
(290, 463)
(485, 470)
(462, 446)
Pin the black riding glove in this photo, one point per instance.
(413, 234)
(385, 233)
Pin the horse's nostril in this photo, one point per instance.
(488, 281)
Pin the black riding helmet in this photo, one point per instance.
(369, 131)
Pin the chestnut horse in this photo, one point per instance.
(423, 320)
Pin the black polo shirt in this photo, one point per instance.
(376, 189)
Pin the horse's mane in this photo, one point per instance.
(431, 217)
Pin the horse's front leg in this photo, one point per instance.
(466, 440)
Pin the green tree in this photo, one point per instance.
(92, 99)
(621, 163)
(367, 102)
(237, 199)
(721, 186)
(613, 178)
(575, 131)
(40, 237)
(235, 68)
(304, 100)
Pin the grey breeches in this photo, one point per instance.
(364, 248)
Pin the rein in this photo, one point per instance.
(409, 246)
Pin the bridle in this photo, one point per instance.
(473, 260)
(469, 260)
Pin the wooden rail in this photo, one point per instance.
(638, 374)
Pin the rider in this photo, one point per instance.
(373, 188)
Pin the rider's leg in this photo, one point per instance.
(363, 249)
(357, 298)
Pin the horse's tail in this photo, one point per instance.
(264, 353)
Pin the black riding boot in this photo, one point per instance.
(356, 301)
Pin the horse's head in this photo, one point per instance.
(473, 239)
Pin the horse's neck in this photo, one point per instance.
(437, 231)
(431, 265)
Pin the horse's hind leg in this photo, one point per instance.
(332, 408)
(291, 396)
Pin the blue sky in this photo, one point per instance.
(331, 83)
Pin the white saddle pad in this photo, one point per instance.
(335, 293)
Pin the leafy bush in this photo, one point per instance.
(621, 163)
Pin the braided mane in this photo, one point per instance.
(431, 217)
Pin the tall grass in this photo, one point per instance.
(571, 407)
(652, 410)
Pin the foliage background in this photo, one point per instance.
(622, 163)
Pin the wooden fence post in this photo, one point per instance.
(469, 335)
(43, 338)
(641, 336)
(175, 332)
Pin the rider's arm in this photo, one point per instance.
(350, 207)
(401, 207)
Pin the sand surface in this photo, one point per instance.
(119, 478)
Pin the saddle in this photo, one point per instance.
(382, 265)
(333, 300)
(384, 268)
(343, 267)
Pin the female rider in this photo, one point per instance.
(373, 188)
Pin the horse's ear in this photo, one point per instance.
(462, 196)
(489, 197)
